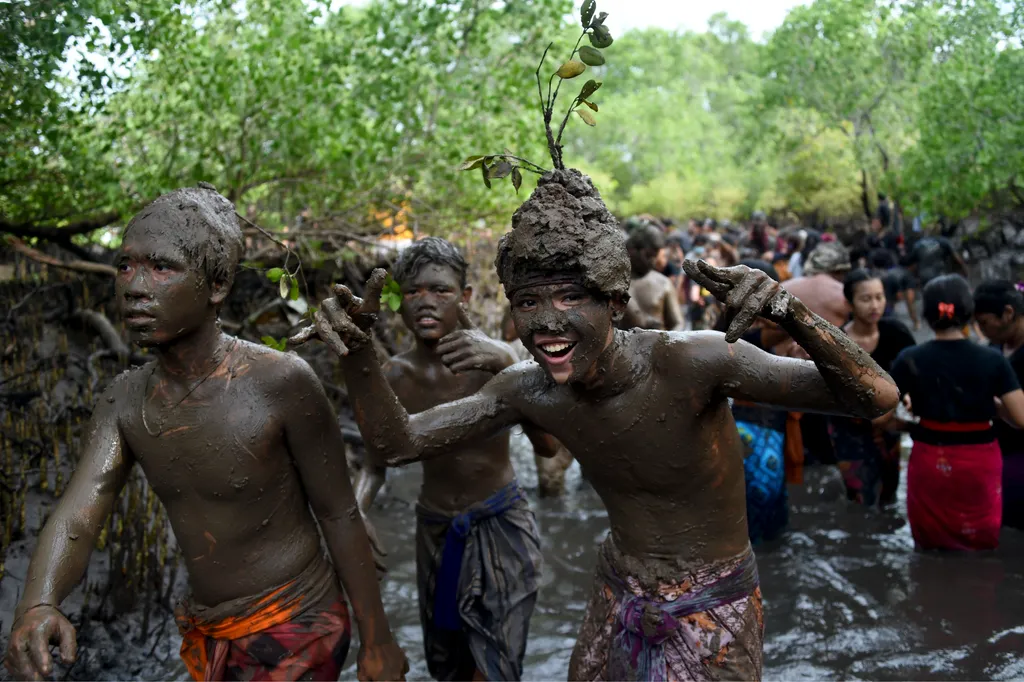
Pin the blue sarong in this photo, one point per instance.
(764, 469)
(446, 592)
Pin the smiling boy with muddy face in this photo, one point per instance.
(478, 557)
(647, 415)
(241, 446)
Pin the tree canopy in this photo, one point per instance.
(358, 117)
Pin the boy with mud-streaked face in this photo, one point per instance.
(473, 488)
(241, 446)
(647, 415)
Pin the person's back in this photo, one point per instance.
(822, 294)
(933, 257)
(955, 388)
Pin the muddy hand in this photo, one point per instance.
(28, 652)
(470, 349)
(344, 321)
(381, 663)
(746, 294)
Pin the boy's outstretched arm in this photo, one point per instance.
(391, 435)
(842, 378)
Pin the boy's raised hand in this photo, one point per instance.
(745, 292)
(470, 349)
(344, 320)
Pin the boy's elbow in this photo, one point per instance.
(886, 397)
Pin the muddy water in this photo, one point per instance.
(845, 594)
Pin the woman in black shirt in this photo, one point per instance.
(868, 454)
(956, 387)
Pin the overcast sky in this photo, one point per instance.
(759, 15)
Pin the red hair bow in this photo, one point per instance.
(947, 310)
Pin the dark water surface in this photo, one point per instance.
(846, 596)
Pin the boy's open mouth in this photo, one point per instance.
(557, 350)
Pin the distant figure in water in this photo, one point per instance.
(676, 593)
(478, 558)
(241, 446)
(956, 388)
(999, 312)
(868, 452)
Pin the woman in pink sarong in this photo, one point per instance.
(957, 388)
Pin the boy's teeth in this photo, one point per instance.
(556, 347)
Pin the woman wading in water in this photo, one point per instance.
(869, 451)
(957, 388)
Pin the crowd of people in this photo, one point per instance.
(960, 395)
(672, 365)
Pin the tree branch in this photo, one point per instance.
(55, 233)
(76, 265)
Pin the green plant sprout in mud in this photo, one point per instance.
(499, 166)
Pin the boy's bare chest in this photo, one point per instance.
(421, 389)
(218, 446)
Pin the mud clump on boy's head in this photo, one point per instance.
(202, 224)
(565, 230)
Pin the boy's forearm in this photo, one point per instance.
(382, 420)
(353, 560)
(58, 563)
(857, 382)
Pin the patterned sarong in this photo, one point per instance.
(297, 631)
(480, 568)
(652, 620)
(765, 474)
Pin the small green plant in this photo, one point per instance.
(391, 295)
(500, 166)
(280, 344)
(288, 283)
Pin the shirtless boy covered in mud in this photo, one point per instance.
(653, 302)
(646, 414)
(241, 445)
(478, 555)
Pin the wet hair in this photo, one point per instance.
(762, 265)
(564, 230)
(645, 238)
(855, 277)
(948, 303)
(203, 224)
(429, 251)
(993, 295)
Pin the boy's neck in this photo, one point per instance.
(612, 373)
(194, 355)
(950, 335)
(1016, 339)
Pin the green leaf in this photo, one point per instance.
(471, 163)
(487, 179)
(269, 341)
(500, 170)
(589, 88)
(591, 105)
(587, 12)
(293, 293)
(284, 285)
(395, 303)
(599, 21)
(274, 274)
(591, 56)
(571, 69)
(587, 117)
(601, 37)
(517, 179)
